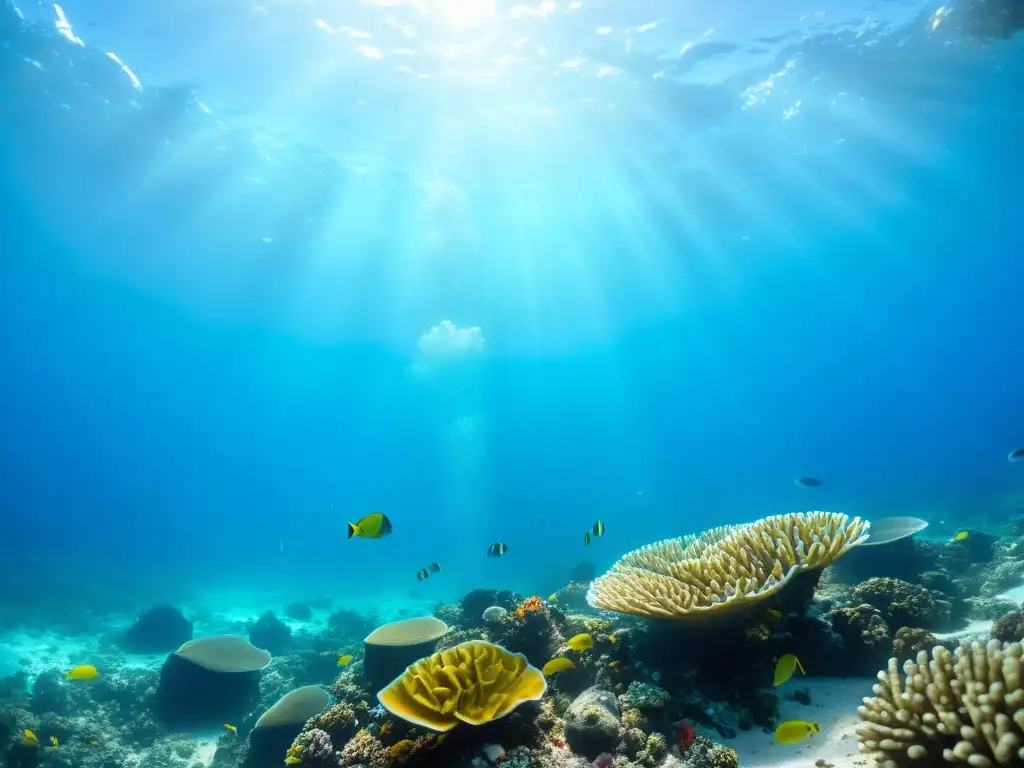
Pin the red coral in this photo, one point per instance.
(685, 734)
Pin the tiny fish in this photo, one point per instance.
(82, 672)
(1016, 454)
(423, 574)
(497, 549)
(586, 539)
(555, 666)
(792, 731)
(385, 728)
(292, 760)
(786, 666)
(775, 614)
(581, 642)
(599, 528)
(960, 535)
(612, 640)
(553, 598)
(807, 482)
(54, 742)
(374, 526)
(344, 661)
(93, 742)
(434, 568)
(614, 664)
(231, 728)
(30, 738)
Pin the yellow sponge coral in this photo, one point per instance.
(474, 682)
(725, 567)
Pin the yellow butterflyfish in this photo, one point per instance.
(555, 666)
(54, 742)
(960, 535)
(231, 728)
(82, 672)
(292, 760)
(553, 598)
(582, 642)
(30, 739)
(775, 614)
(785, 667)
(612, 640)
(792, 731)
(344, 661)
(385, 728)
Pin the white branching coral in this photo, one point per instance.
(965, 707)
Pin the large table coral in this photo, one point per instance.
(726, 567)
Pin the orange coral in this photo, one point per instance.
(530, 605)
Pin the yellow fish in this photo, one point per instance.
(792, 731)
(960, 535)
(292, 760)
(582, 642)
(785, 667)
(374, 526)
(344, 661)
(612, 640)
(82, 672)
(231, 728)
(93, 742)
(555, 666)
(614, 664)
(775, 614)
(30, 738)
(553, 598)
(385, 728)
(586, 539)
(54, 742)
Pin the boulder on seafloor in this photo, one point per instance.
(161, 629)
(592, 723)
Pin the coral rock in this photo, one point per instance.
(592, 723)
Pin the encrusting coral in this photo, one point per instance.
(727, 567)
(963, 707)
(474, 683)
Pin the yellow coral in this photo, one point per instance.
(474, 682)
(725, 567)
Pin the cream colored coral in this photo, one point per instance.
(725, 567)
(964, 707)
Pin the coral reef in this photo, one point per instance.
(161, 629)
(592, 723)
(270, 633)
(903, 604)
(1009, 628)
(961, 707)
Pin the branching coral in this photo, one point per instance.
(725, 567)
(964, 707)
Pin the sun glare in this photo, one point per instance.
(466, 13)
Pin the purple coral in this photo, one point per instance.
(603, 761)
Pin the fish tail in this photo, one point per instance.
(800, 667)
(352, 530)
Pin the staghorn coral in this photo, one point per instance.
(963, 707)
(726, 567)
(474, 683)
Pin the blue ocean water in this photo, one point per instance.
(498, 270)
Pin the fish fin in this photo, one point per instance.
(800, 666)
(352, 530)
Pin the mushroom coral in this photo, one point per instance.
(474, 682)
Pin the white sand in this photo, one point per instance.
(833, 706)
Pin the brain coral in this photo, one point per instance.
(964, 707)
(724, 567)
(474, 683)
